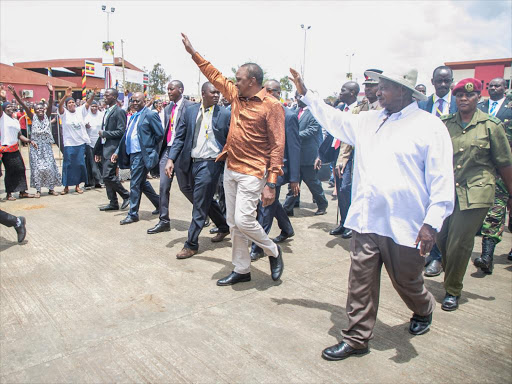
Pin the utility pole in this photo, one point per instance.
(304, 55)
(349, 74)
(122, 63)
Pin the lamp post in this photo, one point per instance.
(305, 28)
(108, 12)
(349, 74)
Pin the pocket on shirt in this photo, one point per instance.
(480, 149)
(480, 192)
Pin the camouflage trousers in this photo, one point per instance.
(494, 222)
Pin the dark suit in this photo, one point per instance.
(504, 113)
(113, 128)
(149, 134)
(310, 133)
(202, 175)
(165, 181)
(427, 105)
(291, 169)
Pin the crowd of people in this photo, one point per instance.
(415, 177)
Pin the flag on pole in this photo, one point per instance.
(89, 68)
(145, 79)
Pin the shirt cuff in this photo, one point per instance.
(435, 217)
(272, 177)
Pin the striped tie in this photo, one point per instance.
(493, 110)
(439, 109)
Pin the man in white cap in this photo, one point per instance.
(402, 191)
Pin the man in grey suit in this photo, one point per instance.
(310, 133)
(112, 130)
(173, 116)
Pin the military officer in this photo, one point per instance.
(492, 229)
(480, 147)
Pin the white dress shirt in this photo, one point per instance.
(9, 130)
(134, 137)
(403, 172)
(175, 121)
(498, 105)
(206, 147)
(446, 105)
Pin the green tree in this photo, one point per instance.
(157, 80)
(134, 87)
(286, 86)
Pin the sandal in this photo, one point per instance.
(53, 193)
(65, 191)
(25, 195)
(78, 190)
(37, 195)
(10, 198)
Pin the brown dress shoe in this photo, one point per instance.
(185, 253)
(219, 237)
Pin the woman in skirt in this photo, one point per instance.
(43, 168)
(10, 132)
(75, 139)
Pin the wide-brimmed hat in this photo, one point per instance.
(406, 80)
(368, 79)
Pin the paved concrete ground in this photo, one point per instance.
(87, 300)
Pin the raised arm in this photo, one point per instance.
(50, 100)
(63, 100)
(224, 85)
(18, 99)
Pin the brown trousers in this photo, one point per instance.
(405, 269)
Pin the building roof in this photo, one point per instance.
(71, 63)
(14, 75)
(474, 63)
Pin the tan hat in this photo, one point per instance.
(406, 80)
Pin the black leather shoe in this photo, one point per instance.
(450, 303)
(160, 227)
(256, 255)
(109, 208)
(207, 222)
(214, 230)
(234, 278)
(342, 351)
(290, 213)
(433, 269)
(282, 237)
(320, 212)
(337, 231)
(510, 255)
(155, 212)
(128, 220)
(21, 229)
(126, 203)
(347, 233)
(420, 324)
(276, 265)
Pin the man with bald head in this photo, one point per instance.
(138, 151)
(173, 117)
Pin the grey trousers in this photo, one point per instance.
(405, 268)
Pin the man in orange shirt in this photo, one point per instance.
(253, 153)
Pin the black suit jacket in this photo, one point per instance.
(167, 115)
(291, 167)
(150, 133)
(113, 128)
(182, 146)
(310, 133)
(427, 105)
(504, 113)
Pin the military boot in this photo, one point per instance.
(485, 261)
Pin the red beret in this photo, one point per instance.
(468, 85)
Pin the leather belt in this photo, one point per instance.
(195, 160)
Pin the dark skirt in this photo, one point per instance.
(74, 171)
(15, 179)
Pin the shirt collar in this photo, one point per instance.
(447, 97)
(179, 102)
(351, 106)
(497, 101)
(401, 114)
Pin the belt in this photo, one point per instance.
(195, 160)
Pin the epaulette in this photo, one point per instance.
(361, 103)
(446, 117)
(494, 119)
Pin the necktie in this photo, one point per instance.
(197, 129)
(493, 111)
(439, 109)
(300, 113)
(133, 120)
(346, 109)
(171, 124)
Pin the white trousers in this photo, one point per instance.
(243, 193)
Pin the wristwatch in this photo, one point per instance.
(271, 185)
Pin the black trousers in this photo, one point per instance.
(112, 183)
(309, 175)
(203, 178)
(93, 168)
(7, 219)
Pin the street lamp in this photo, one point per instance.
(108, 12)
(349, 74)
(305, 28)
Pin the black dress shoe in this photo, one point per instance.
(234, 278)
(21, 229)
(347, 233)
(276, 265)
(282, 237)
(207, 222)
(433, 269)
(510, 255)
(126, 203)
(156, 212)
(97, 186)
(290, 213)
(450, 303)
(337, 231)
(255, 255)
(214, 230)
(342, 351)
(420, 324)
(320, 212)
(128, 220)
(160, 227)
(109, 208)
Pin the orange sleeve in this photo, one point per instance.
(276, 137)
(224, 85)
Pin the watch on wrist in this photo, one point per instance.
(271, 185)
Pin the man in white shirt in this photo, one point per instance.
(402, 191)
